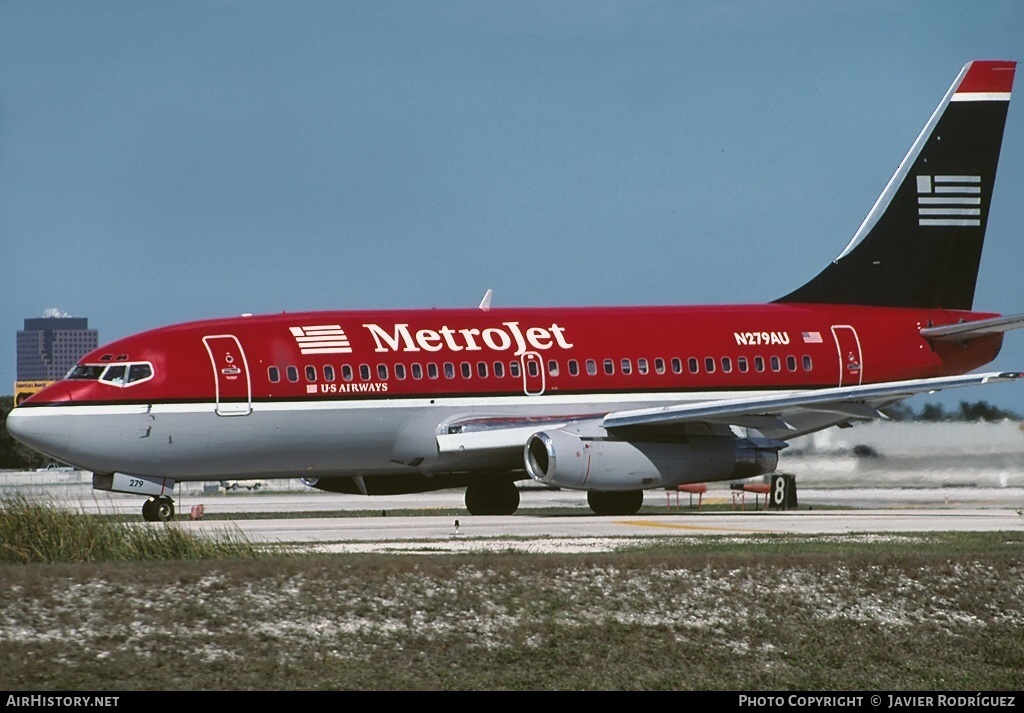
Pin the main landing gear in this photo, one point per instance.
(158, 509)
(493, 497)
(619, 502)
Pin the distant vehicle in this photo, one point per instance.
(246, 484)
(55, 467)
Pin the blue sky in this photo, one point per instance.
(169, 161)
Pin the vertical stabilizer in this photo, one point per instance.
(920, 245)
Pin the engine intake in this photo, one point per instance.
(568, 460)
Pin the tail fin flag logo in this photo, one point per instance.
(949, 201)
(321, 339)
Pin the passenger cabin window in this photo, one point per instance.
(741, 364)
(310, 373)
(807, 363)
(726, 364)
(346, 372)
(591, 367)
(553, 367)
(513, 369)
(274, 374)
(382, 372)
(627, 366)
(609, 367)
(574, 367)
(659, 365)
(709, 365)
(449, 370)
(293, 373)
(399, 371)
(641, 366)
(758, 363)
(432, 370)
(328, 372)
(481, 369)
(677, 365)
(467, 370)
(693, 365)
(417, 371)
(364, 372)
(776, 364)
(499, 369)
(791, 362)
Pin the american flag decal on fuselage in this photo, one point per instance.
(321, 339)
(949, 201)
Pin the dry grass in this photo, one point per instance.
(902, 613)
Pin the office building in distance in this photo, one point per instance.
(49, 347)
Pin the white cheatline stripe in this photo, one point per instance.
(981, 97)
(531, 405)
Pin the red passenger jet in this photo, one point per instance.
(611, 400)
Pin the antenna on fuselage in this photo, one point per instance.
(485, 303)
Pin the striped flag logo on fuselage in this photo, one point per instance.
(321, 339)
(949, 201)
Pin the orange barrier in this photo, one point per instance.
(697, 489)
(739, 492)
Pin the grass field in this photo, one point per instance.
(921, 611)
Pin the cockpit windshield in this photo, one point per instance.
(124, 374)
(86, 372)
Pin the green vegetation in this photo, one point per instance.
(33, 532)
(967, 411)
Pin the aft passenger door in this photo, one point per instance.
(233, 388)
(851, 368)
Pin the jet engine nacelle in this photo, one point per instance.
(570, 460)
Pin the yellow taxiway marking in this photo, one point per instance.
(647, 523)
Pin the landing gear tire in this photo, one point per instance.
(624, 502)
(493, 498)
(158, 509)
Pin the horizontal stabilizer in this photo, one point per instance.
(970, 330)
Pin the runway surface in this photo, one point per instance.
(874, 512)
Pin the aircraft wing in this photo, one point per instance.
(778, 415)
(774, 411)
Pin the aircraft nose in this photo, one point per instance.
(33, 428)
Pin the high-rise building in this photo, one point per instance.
(49, 346)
